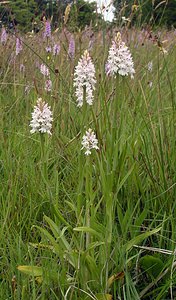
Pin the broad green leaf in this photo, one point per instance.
(59, 235)
(94, 245)
(138, 239)
(92, 266)
(152, 265)
(60, 217)
(52, 240)
(57, 246)
(87, 229)
(135, 229)
(141, 218)
(31, 270)
(71, 205)
(126, 221)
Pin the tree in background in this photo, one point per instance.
(165, 13)
(141, 12)
(53, 8)
(83, 14)
(19, 12)
(25, 13)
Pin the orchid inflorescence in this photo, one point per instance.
(119, 59)
(41, 118)
(119, 62)
(84, 80)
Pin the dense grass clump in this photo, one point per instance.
(101, 226)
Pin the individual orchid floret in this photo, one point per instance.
(107, 69)
(19, 46)
(41, 118)
(84, 80)
(150, 66)
(48, 49)
(119, 59)
(44, 70)
(56, 49)
(150, 83)
(89, 142)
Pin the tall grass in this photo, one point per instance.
(76, 227)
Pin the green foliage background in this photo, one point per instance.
(147, 12)
(25, 14)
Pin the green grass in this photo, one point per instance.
(78, 218)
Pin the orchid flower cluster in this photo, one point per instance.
(47, 32)
(42, 118)
(89, 141)
(46, 73)
(3, 36)
(119, 59)
(84, 80)
(55, 49)
(44, 70)
(71, 48)
(19, 46)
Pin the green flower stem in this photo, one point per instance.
(44, 158)
(84, 112)
(80, 200)
(88, 192)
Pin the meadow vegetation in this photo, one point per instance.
(98, 226)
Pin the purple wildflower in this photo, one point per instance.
(71, 48)
(48, 49)
(47, 32)
(3, 36)
(19, 46)
(56, 49)
(48, 85)
(44, 70)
